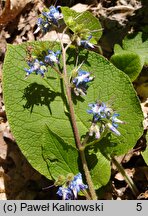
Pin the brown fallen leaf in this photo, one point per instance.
(129, 172)
(144, 107)
(11, 10)
(80, 7)
(3, 148)
(143, 196)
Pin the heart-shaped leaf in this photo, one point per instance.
(132, 56)
(129, 62)
(33, 103)
(138, 44)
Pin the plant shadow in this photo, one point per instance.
(37, 94)
(101, 147)
(72, 56)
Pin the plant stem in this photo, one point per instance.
(86, 195)
(126, 177)
(75, 128)
(88, 176)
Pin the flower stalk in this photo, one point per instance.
(75, 128)
(127, 178)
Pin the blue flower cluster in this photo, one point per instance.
(106, 117)
(71, 191)
(48, 18)
(52, 57)
(43, 24)
(80, 82)
(36, 66)
(40, 67)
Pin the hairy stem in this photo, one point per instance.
(75, 128)
(127, 178)
(88, 176)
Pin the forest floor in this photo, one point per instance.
(18, 180)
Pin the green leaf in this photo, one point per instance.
(60, 157)
(135, 43)
(111, 86)
(100, 169)
(84, 24)
(33, 103)
(145, 153)
(132, 56)
(37, 103)
(118, 49)
(128, 62)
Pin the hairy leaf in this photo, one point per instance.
(113, 87)
(61, 158)
(35, 104)
(100, 168)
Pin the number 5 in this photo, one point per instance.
(139, 207)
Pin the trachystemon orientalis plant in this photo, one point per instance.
(70, 110)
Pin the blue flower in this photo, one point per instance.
(52, 57)
(108, 112)
(86, 43)
(73, 188)
(115, 120)
(98, 110)
(113, 129)
(83, 77)
(77, 184)
(53, 15)
(36, 66)
(48, 18)
(43, 24)
(80, 82)
(65, 193)
(106, 118)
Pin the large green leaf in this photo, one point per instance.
(61, 158)
(33, 103)
(36, 103)
(114, 87)
(132, 56)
